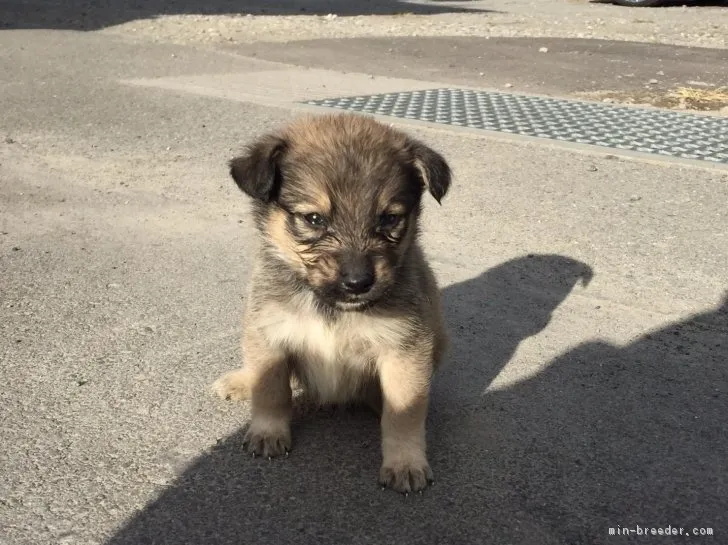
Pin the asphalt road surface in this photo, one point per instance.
(586, 291)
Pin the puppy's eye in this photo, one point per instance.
(315, 220)
(388, 222)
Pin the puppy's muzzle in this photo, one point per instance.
(356, 276)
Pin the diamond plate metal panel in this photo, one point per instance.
(659, 132)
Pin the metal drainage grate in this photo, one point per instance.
(652, 131)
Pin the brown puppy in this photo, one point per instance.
(341, 299)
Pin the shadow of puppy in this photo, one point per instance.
(491, 314)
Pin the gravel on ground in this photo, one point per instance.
(694, 25)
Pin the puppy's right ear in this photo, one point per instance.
(258, 172)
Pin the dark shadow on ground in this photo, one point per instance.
(96, 14)
(605, 436)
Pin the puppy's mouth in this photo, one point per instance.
(352, 305)
(347, 303)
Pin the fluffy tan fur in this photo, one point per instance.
(365, 181)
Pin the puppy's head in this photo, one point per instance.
(337, 198)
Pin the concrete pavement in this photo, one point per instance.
(570, 67)
(587, 387)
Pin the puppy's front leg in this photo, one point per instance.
(265, 379)
(269, 433)
(405, 390)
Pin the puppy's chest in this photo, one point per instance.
(350, 341)
(334, 358)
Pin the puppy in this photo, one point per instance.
(341, 299)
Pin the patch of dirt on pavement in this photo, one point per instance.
(682, 98)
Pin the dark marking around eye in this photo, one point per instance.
(391, 227)
(308, 229)
(309, 241)
(315, 220)
(389, 221)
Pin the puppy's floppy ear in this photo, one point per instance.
(257, 172)
(431, 168)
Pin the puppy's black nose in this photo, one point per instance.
(357, 280)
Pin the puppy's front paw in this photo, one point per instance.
(233, 386)
(406, 476)
(268, 439)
